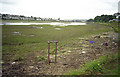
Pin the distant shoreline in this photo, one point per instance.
(43, 23)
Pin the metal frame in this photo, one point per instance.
(55, 51)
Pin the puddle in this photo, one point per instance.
(58, 28)
(32, 35)
(37, 27)
(16, 32)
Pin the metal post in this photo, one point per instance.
(48, 53)
(56, 53)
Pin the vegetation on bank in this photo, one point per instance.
(109, 20)
(113, 25)
(101, 66)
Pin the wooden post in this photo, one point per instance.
(56, 52)
(48, 52)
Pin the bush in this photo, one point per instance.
(94, 66)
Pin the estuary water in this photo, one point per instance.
(52, 23)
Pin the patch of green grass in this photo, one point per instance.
(110, 68)
(41, 58)
(92, 67)
(114, 25)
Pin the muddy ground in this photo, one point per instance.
(68, 59)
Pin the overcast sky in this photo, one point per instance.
(64, 9)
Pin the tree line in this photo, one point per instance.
(102, 18)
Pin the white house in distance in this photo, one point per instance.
(22, 17)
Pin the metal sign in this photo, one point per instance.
(55, 50)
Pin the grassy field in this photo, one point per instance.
(22, 43)
(30, 39)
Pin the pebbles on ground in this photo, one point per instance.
(13, 62)
(31, 66)
(69, 51)
(83, 52)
